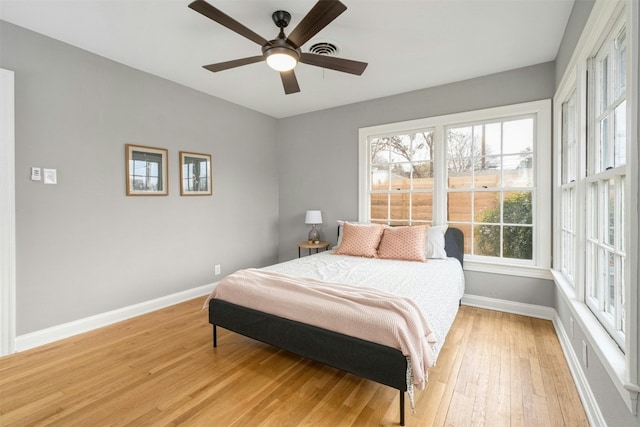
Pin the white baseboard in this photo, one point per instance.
(531, 310)
(589, 402)
(66, 330)
(591, 408)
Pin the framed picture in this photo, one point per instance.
(146, 170)
(195, 174)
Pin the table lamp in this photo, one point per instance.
(313, 218)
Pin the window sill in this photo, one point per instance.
(611, 357)
(508, 269)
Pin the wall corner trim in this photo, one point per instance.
(66, 330)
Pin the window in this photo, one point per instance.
(596, 190)
(605, 183)
(478, 171)
(568, 188)
(490, 184)
(401, 168)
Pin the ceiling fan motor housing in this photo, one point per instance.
(280, 46)
(281, 18)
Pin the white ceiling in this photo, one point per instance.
(409, 45)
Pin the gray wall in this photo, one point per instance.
(83, 247)
(577, 19)
(318, 160)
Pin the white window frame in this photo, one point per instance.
(568, 161)
(542, 164)
(499, 189)
(621, 364)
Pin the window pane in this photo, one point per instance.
(399, 206)
(460, 143)
(422, 207)
(591, 276)
(479, 146)
(423, 175)
(620, 134)
(459, 207)
(399, 148)
(492, 139)
(422, 148)
(518, 136)
(518, 242)
(517, 208)
(611, 212)
(606, 149)
(620, 66)
(400, 176)
(610, 303)
(379, 206)
(569, 139)
(379, 177)
(486, 205)
(487, 240)
(623, 209)
(518, 170)
(622, 293)
(487, 172)
(592, 211)
(379, 151)
(603, 84)
(460, 173)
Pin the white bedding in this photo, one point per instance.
(436, 286)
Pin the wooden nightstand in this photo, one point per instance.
(316, 246)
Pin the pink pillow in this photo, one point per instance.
(405, 243)
(360, 240)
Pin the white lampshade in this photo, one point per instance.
(313, 217)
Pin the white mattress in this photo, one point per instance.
(436, 286)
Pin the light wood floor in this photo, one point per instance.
(495, 369)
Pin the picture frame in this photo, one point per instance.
(195, 174)
(147, 172)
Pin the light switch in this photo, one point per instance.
(35, 174)
(50, 176)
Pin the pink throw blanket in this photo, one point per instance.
(365, 313)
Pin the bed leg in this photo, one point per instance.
(401, 407)
(215, 337)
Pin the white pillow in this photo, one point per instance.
(434, 248)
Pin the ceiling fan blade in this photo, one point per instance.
(221, 18)
(289, 82)
(318, 17)
(221, 66)
(333, 63)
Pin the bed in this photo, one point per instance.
(365, 358)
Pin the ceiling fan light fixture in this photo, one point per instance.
(281, 58)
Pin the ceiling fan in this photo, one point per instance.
(282, 54)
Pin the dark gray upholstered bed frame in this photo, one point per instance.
(366, 359)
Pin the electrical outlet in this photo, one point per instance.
(217, 269)
(585, 359)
